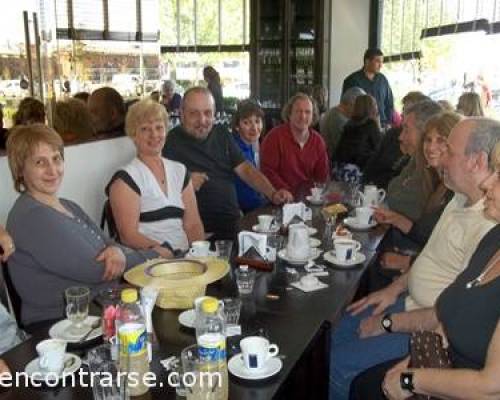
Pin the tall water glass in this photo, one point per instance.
(77, 307)
(224, 249)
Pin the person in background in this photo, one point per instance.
(29, 111)
(212, 77)
(320, 96)
(373, 82)
(83, 96)
(390, 159)
(57, 243)
(155, 96)
(406, 193)
(467, 317)
(446, 105)
(293, 155)
(247, 126)
(213, 158)
(470, 105)
(332, 122)
(107, 110)
(361, 136)
(71, 119)
(170, 98)
(152, 198)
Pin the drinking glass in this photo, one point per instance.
(245, 279)
(208, 380)
(108, 384)
(224, 249)
(232, 308)
(77, 307)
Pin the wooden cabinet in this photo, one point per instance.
(289, 49)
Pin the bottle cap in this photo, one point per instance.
(210, 305)
(129, 295)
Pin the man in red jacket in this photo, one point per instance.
(293, 155)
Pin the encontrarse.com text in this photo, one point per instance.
(106, 379)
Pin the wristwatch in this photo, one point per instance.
(386, 323)
(406, 381)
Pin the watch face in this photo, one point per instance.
(386, 322)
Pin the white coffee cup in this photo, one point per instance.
(346, 249)
(265, 222)
(199, 248)
(316, 193)
(256, 351)
(364, 215)
(309, 281)
(51, 355)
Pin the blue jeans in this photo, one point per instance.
(350, 355)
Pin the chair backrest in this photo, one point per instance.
(108, 220)
(8, 294)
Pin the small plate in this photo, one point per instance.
(315, 253)
(34, 371)
(272, 229)
(187, 318)
(358, 259)
(315, 202)
(61, 330)
(352, 223)
(313, 242)
(237, 367)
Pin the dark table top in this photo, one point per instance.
(291, 321)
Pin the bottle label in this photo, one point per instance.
(212, 348)
(132, 339)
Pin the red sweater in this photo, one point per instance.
(290, 167)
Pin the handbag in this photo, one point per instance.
(427, 351)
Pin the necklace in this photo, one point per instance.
(477, 281)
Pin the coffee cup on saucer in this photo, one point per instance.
(51, 355)
(316, 193)
(364, 215)
(199, 248)
(309, 281)
(265, 222)
(346, 249)
(256, 352)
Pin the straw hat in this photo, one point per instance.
(179, 281)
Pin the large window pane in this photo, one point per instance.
(168, 22)
(207, 22)
(232, 22)
(186, 22)
(88, 14)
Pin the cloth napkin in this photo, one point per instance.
(297, 211)
(247, 240)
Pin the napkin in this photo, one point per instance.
(248, 240)
(148, 300)
(296, 212)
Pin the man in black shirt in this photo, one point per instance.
(372, 81)
(211, 155)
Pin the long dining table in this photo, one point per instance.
(299, 323)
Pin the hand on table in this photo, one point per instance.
(281, 196)
(114, 262)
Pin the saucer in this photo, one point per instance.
(358, 259)
(72, 364)
(315, 202)
(187, 318)
(299, 285)
(313, 242)
(315, 253)
(61, 330)
(237, 367)
(352, 223)
(272, 229)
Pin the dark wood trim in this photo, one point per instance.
(375, 24)
(230, 48)
(461, 27)
(90, 34)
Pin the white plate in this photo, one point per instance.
(358, 259)
(272, 229)
(61, 330)
(313, 242)
(315, 253)
(237, 367)
(186, 318)
(316, 202)
(352, 223)
(34, 371)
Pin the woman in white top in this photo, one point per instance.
(152, 198)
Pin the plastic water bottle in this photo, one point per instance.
(132, 337)
(211, 339)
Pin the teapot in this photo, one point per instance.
(298, 246)
(372, 196)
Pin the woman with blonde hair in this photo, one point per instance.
(470, 105)
(152, 198)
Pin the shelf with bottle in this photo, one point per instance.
(270, 56)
